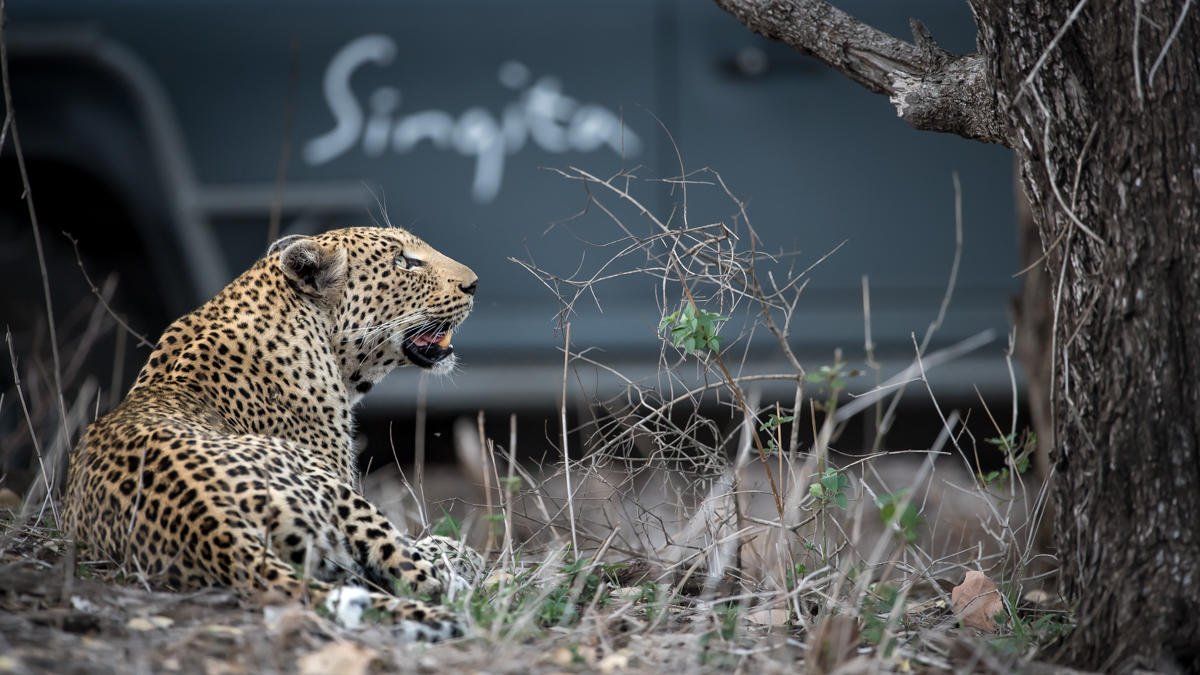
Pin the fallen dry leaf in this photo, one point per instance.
(769, 617)
(833, 644)
(10, 500)
(340, 657)
(626, 593)
(976, 602)
(499, 578)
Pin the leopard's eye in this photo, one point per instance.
(408, 262)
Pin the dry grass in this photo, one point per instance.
(679, 530)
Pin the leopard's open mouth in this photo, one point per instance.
(428, 348)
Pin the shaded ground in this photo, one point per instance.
(55, 622)
(60, 615)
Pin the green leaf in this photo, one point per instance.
(906, 522)
(840, 500)
(1005, 442)
(887, 512)
(447, 526)
(816, 490)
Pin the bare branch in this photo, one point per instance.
(931, 89)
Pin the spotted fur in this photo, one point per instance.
(230, 461)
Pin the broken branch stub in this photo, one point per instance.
(931, 89)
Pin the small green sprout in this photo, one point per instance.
(831, 489)
(771, 426)
(876, 612)
(693, 329)
(511, 485)
(448, 526)
(1018, 453)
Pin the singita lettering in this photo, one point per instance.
(554, 121)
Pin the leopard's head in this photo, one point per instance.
(393, 299)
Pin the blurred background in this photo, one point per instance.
(175, 140)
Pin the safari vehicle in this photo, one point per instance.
(170, 137)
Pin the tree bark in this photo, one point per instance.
(1100, 101)
(1108, 142)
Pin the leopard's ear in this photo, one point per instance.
(282, 243)
(312, 268)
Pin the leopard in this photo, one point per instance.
(231, 461)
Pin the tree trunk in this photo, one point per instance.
(1102, 133)
(1100, 101)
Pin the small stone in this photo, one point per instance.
(220, 632)
(149, 623)
(618, 660)
(562, 657)
(9, 500)
(1037, 596)
(84, 605)
(340, 657)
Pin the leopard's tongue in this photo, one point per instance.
(440, 339)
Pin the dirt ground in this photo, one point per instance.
(55, 622)
(61, 615)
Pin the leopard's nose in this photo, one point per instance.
(469, 289)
